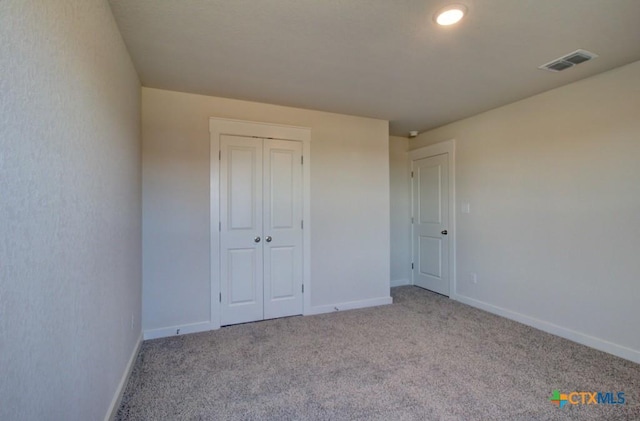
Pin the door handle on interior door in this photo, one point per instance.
(268, 239)
(257, 239)
(444, 232)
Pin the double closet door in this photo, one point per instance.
(261, 268)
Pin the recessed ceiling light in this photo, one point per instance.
(450, 14)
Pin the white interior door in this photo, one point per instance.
(430, 223)
(282, 228)
(241, 260)
(260, 231)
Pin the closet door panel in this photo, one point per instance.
(241, 227)
(282, 228)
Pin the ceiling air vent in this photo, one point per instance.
(570, 60)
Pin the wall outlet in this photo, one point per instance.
(473, 277)
(465, 207)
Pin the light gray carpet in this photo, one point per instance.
(423, 358)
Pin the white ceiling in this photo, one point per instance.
(375, 58)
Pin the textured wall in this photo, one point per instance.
(400, 209)
(70, 242)
(349, 203)
(554, 187)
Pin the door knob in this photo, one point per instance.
(268, 239)
(257, 239)
(444, 232)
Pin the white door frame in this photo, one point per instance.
(219, 126)
(448, 147)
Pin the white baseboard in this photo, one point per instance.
(572, 335)
(351, 305)
(206, 326)
(163, 332)
(117, 397)
(400, 282)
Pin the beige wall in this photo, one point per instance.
(554, 230)
(349, 203)
(70, 230)
(400, 210)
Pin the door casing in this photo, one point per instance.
(447, 147)
(218, 127)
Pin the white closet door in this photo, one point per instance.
(282, 228)
(241, 259)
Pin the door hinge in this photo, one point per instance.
(412, 219)
(303, 288)
(301, 160)
(301, 224)
(411, 174)
(411, 265)
(219, 155)
(220, 226)
(220, 297)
